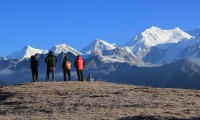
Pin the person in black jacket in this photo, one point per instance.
(66, 65)
(51, 61)
(34, 63)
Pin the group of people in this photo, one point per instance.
(51, 61)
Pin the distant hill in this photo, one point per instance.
(96, 101)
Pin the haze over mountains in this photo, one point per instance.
(167, 58)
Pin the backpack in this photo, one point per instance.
(68, 65)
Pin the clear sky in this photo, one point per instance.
(45, 23)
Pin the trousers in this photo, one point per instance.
(52, 70)
(67, 72)
(34, 75)
(80, 75)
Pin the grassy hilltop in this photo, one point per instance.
(96, 100)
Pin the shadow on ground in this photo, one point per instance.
(5, 95)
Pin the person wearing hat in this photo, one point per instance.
(51, 61)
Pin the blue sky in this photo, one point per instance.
(45, 23)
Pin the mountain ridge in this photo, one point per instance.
(153, 47)
(59, 48)
(97, 45)
(26, 52)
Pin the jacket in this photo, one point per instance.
(51, 60)
(79, 63)
(34, 63)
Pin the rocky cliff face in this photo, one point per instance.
(96, 100)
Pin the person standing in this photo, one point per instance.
(34, 63)
(66, 65)
(51, 61)
(79, 64)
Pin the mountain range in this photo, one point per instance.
(155, 57)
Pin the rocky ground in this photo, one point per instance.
(96, 101)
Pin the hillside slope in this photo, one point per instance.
(98, 100)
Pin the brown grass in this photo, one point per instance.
(98, 100)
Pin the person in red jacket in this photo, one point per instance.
(79, 64)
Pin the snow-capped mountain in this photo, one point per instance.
(158, 46)
(98, 45)
(25, 53)
(152, 47)
(28, 51)
(64, 48)
(155, 36)
(109, 53)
